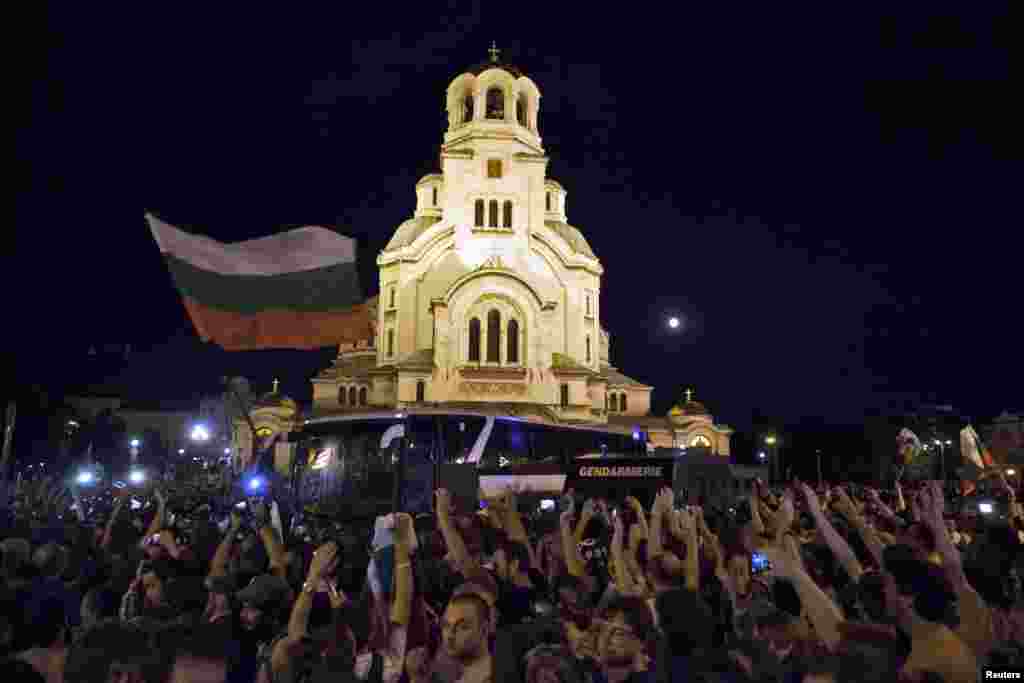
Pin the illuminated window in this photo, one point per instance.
(391, 343)
(392, 299)
(493, 214)
(421, 391)
(434, 196)
(467, 109)
(700, 441)
(352, 396)
(565, 396)
(495, 104)
(588, 349)
(622, 403)
(474, 340)
(362, 396)
(493, 337)
(547, 201)
(478, 213)
(588, 304)
(521, 110)
(341, 395)
(494, 168)
(512, 355)
(614, 404)
(507, 222)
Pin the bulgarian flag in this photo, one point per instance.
(975, 454)
(295, 290)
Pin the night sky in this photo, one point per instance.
(831, 201)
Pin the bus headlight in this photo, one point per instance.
(137, 476)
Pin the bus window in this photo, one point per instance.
(460, 433)
(509, 444)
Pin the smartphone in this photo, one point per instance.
(759, 564)
(242, 505)
(547, 505)
(136, 503)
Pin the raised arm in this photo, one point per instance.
(159, 519)
(836, 543)
(570, 549)
(452, 538)
(219, 563)
(286, 649)
(825, 616)
(845, 507)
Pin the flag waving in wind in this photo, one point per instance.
(908, 446)
(295, 290)
(975, 454)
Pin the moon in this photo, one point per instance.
(673, 323)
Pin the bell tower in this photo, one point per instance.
(492, 159)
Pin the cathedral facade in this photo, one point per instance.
(490, 299)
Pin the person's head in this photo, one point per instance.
(200, 658)
(154, 580)
(262, 601)
(685, 619)
(626, 627)
(511, 560)
(50, 560)
(465, 628)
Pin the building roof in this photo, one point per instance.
(354, 367)
(478, 69)
(690, 408)
(430, 176)
(553, 183)
(572, 236)
(616, 378)
(410, 230)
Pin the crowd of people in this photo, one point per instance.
(791, 584)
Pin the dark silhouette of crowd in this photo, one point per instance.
(790, 584)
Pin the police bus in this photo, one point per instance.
(353, 459)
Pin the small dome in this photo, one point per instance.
(689, 408)
(551, 182)
(437, 177)
(272, 399)
(478, 69)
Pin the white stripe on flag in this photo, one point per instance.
(293, 251)
(969, 446)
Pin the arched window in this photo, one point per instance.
(507, 214)
(588, 304)
(362, 396)
(614, 406)
(493, 222)
(700, 441)
(588, 349)
(467, 109)
(495, 104)
(521, 111)
(341, 396)
(607, 402)
(391, 343)
(622, 403)
(474, 340)
(547, 201)
(392, 299)
(512, 354)
(434, 196)
(352, 396)
(421, 391)
(565, 395)
(493, 337)
(478, 213)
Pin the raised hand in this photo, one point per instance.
(337, 596)
(444, 502)
(323, 558)
(663, 502)
(404, 531)
(809, 496)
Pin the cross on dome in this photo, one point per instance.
(689, 395)
(275, 385)
(494, 51)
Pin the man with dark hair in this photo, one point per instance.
(627, 631)
(465, 634)
(517, 591)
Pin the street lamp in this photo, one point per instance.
(674, 323)
(134, 443)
